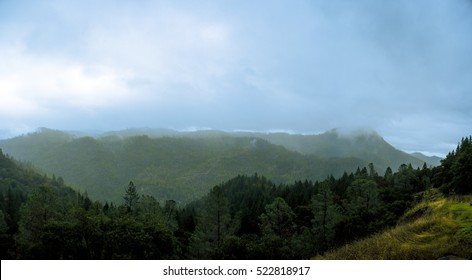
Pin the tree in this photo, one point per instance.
(278, 218)
(131, 197)
(372, 172)
(5, 242)
(3, 223)
(41, 206)
(170, 215)
(214, 224)
(362, 196)
(462, 168)
(326, 215)
(277, 225)
(406, 178)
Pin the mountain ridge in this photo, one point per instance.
(184, 165)
(317, 144)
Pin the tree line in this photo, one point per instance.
(247, 217)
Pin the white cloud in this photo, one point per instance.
(305, 66)
(33, 84)
(168, 48)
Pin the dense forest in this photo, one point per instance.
(247, 217)
(184, 166)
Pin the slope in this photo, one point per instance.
(368, 146)
(178, 168)
(440, 229)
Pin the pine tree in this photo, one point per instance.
(214, 224)
(326, 215)
(462, 168)
(278, 218)
(362, 196)
(131, 197)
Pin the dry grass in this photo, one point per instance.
(430, 230)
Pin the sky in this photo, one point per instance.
(401, 68)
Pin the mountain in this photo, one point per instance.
(17, 178)
(178, 168)
(183, 166)
(364, 145)
(368, 146)
(430, 160)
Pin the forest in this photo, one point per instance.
(246, 217)
(171, 165)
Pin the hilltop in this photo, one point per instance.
(184, 165)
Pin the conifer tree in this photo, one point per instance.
(278, 218)
(131, 197)
(326, 215)
(214, 224)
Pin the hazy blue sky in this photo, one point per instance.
(402, 68)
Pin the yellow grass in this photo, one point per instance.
(430, 230)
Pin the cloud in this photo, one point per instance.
(168, 48)
(155, 53)
(34, 84)
(401, 68)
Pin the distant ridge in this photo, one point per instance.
(183, 166)
(366, 145)
(430, 160)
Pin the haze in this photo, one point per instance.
(401, 68)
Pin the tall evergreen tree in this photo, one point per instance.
(462, 168)
(362, 196)
(131, 197)
(326, 215)
(214, 224)
(41, 206)
(278, 218)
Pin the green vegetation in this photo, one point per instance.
(169, 168)
(368, 146)
(184, 166)
(413, 213)
(431, 230)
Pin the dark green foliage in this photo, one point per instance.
(131, 197)
(277, 219)
(180, 168)
(214, 224)
(321, 215)
(454, 175)
(247, 217)
(326, 214)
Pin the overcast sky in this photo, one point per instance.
(401, 68)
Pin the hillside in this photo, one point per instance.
(408, 214)
(440, 229)
(178, 168)
(430, 160)
(17, 183)
(18, 178)
(368, 146)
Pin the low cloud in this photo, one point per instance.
(402, 67)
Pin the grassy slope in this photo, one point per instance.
(431, 230)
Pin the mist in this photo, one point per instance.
(401, 68)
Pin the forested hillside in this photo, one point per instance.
(368, 146)
(18, 184)
(247, 217)
(183, 166)
(181, 169)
